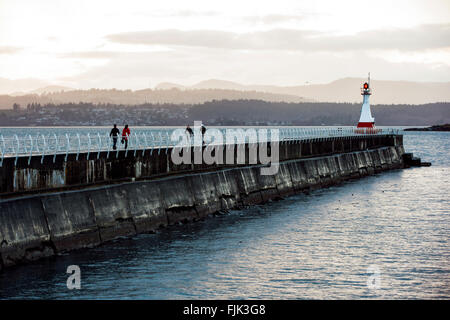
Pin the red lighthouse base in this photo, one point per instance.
(367, 128)
(366, 125)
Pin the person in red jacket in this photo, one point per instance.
(125, 135)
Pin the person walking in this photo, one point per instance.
(125, 134)
(190, 133)
(189, 130)
(115, 132)
(203, 130)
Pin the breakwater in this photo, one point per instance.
(100, 198)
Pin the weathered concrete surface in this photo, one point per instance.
(178, 200)
(71, 221)
(145, 205)
(24, 234)
(44, 225)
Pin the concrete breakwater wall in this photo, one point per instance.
(39, 173)
(44, 225)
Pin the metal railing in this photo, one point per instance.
(46, 145)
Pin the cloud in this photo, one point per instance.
(422, 37)
(210, 38)
(191, 13)
(9, 50)
(189, 65)
(419, 38)
(177, 13)
(273, 18)
(90, 55)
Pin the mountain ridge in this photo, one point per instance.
(340, 90)
(347, 90)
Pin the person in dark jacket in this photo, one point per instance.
(115, 132)
(190, 132)
(203, 130)
(125, 135)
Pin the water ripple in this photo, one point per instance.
(319, 246)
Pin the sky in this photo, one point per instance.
(138, 44)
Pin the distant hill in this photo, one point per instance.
(223, 84)
(51, 89)
(169, 85)
(20, 86)
(347, 90)
(129, 97)
(207, 84)
(343, 90)
(383, 92)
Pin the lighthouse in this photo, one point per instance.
(366, 120)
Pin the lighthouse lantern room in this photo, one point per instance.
(366, 120)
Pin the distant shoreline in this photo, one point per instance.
(442, 127)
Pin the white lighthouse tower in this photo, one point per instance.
(366, 120)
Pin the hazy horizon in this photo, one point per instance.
(32, 85)
(342, 90)
(101, 44)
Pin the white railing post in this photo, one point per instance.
(67, 146)
(99, 145)
(31, 149)
(108, 140)
(153, 142)
(136, 144)
(167, 141)
(56, 148)
(2, 149)
(79, 145)
(89, 146)
(17, 149)
(43, 150)
(145, 144)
